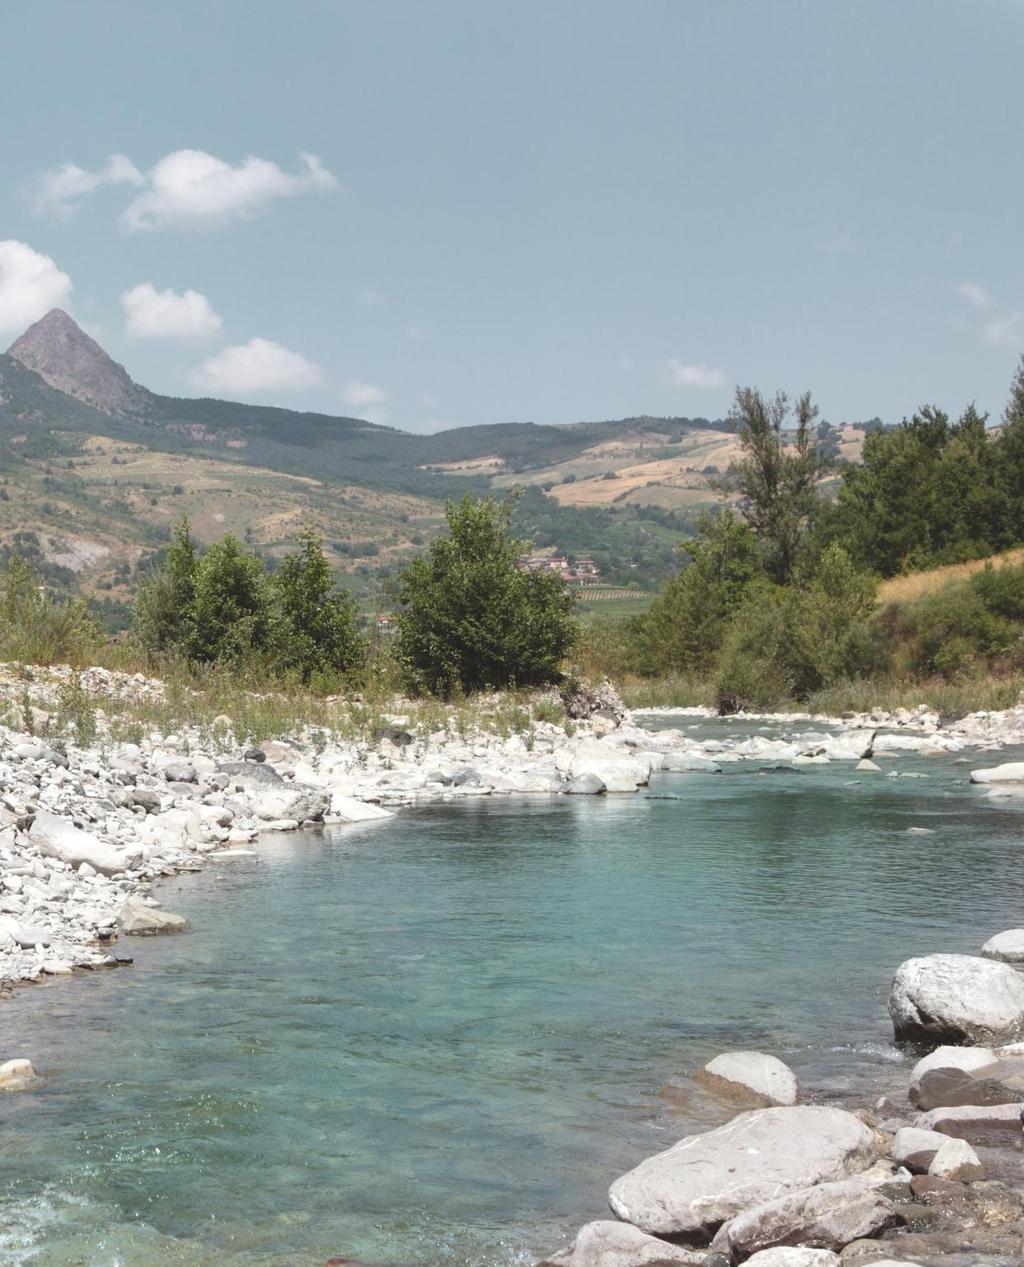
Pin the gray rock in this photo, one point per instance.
(179, 772)
(147, 798)
(139, 920)
(956, 998)
(605, 1243)
(254, 754)
(56, 837)
(585, 785)
(690, 762)
(759, 1073)
(466, 778)
(24, 935)
(704, 1180)
(827, 1216)
(939, 1077)
(249, 774)
(303, 804)
(990, 1125)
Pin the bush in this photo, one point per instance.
(470, 619)
(36, 628)
(318, 632)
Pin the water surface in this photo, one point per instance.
(438, 1038)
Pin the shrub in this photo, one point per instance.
(36, 628)
(470, 619)
(318, 631)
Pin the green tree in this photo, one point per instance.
(469, 618)
(318, 630)
(777, 476)
(231, 612)
(36, 628)
(163, 613)
(686, 623)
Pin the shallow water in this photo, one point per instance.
(438, 1038)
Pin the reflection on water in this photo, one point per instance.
(440, 1037)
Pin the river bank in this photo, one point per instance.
(400, 777)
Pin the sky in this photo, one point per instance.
(437, 213)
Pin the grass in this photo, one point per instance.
(906, 589)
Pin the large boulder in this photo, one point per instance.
(298, 803)
(827, 1216)
(618, 774)
(250, 774)
(758, 1073)
(349, 810)
(794, 1256)
(692, 1188)
(58, 838)
(1011, 772)
(605, 1243)
(14, 933)
(1007, 946)
(956, 999)
(139, 920)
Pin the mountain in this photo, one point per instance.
(67, 359)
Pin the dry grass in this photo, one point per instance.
(905, 589)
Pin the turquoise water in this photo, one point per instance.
(437, 1039)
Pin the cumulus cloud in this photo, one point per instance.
(30, 285)
(975, 295)
(164, 314)
(184, 189)
(706, 377)
(193, 189)
(60, 190)
(367, 399)
(256, 366)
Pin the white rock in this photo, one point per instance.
(56, 837)
(794, 1256)
(957, 1160)
(1007, 946)
(958, 998)
(15, 1073)
(933, 1072)
(706, 1179)
(347, 809)
(1011, 772)
(915, 1147)
(763, 1074)
(605, 1243)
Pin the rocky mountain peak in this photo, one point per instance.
(64, 356)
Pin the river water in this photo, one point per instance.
(436, 1039)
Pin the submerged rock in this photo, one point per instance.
(139, 920)
(757, 1072)
(605, 1243)
(704, 1180)
(15, 1074)
(956, 998)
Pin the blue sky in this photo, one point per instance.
(448, 212)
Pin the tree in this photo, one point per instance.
(469, 618)
(1010, 445)
(776, 480)
(318, 631)
(162, 618)
(686, 623)
(231, 615)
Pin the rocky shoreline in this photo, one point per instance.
(88, 830)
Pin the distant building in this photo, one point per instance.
(578, 570)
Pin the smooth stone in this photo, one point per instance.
(866, 766)
(988, 1125)
(15, 1073)
(956, 1160)
(249, 774)
(827, 1216)
(606, 1243)
(691, 1188)
(1007, 946)
(943, 1072)
(915, 1147)
(1010, 772)
(764, 1075)
(26, 936)
(585, 785)
(351, 810)
(690, 763)
(56, 837)
(957, 998)
(179, 772)
(136, 919)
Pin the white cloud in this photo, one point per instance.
(1006, 331)
(193, 189)
(976, 295)
(164, 314)
(60, 190)
(367, 399)
(706, 377)
(30, 285)
(256, 366)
